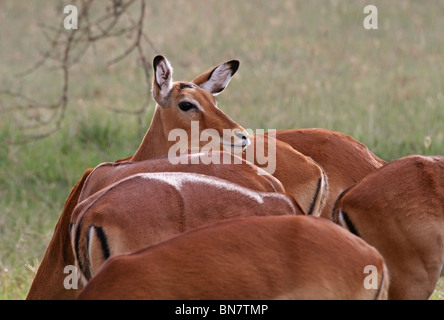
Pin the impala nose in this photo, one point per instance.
(244, 136)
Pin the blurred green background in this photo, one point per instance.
(304, 64)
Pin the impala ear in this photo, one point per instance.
(217, 79)
(163, 78)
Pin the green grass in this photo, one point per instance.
(303, 64)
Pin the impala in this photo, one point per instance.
(48, 282)
(344, 159)
(273, 257)
(146, 208)
(399, 209)
(178, 104)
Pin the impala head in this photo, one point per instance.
(181, 104)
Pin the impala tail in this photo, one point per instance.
(341, 217)
(344, 220)
(89, 241)
(320, 196)
(383, 288)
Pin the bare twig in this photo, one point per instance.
(67, 48)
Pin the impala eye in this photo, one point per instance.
(186, 106)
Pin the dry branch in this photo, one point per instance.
(67, 48)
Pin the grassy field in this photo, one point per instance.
(303, 64)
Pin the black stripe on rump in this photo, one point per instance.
(103, 241)
(349, 223)
(315, 198)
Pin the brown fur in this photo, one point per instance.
(146, 208)
(285, 257)
(237, 170)
(399, 209)
(299, 174)
(48, 281)
(344, 160)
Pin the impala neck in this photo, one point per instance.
(155, 143)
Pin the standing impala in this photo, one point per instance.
(273, 257)
(146, 208)
(178, 105)
(48, 283)
(399, 209)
